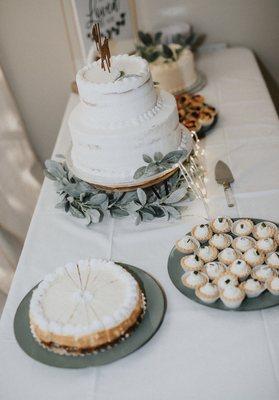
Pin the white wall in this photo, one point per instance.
(36, 57)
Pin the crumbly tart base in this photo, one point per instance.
(100, 341)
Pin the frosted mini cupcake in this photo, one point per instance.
(273, 260)
(273, 285)
(194, 279)
(207, 253)
(253, 287)
(232, 296)
(243, 243)
(187, 244)
(191, 263)
(242, 227)
(254, 257)
(202, 232)
(221, 225)
(227, 278)
(264, 230)
(262, 272)
(227, 256)
(240, 268)
(214, 269)
(266, 245)
(208, 293)
(220, 241)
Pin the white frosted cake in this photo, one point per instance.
(175, 75)
(83, 306)
(120, 117)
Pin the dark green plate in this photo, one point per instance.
(153, 318)
(265, 300)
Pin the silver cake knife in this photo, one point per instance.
(224, 176)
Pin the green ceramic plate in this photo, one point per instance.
(153, 317)
(265, 300)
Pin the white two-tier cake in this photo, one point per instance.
(120, 117)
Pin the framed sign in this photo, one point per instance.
(117, 19)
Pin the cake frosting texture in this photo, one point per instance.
(120, 117)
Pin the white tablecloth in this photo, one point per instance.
(198, 353)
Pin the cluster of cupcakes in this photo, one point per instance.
(194, 113)
(231, 260)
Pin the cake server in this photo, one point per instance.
(224, 176)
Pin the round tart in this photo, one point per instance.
(194, 279)
(220, 241)
(243, 243)
(264, 230)
(254, 257)
(191, 263)
(227, 278)
(228, 255)
(207, 253)
(214, 269)
(192, 124)
(262, 272)
(273, 260)
(208, 293)
(266, 245)
(202, 232)
(84, 306)
(242, 227)
(206, 118)
(221, 225)
(253, 287)
(187, 245)
(240, 268)
(273, 285)
(232, 296)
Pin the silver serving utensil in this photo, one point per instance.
(224, 176)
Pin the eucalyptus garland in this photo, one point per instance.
(87, 202)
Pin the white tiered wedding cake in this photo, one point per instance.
(120, 117)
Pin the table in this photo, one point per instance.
(199, 353)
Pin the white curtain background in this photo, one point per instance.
(20, 175)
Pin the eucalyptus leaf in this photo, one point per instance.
(174, 213)
(75, 212)
(141, 196)
(97, 199)
(176, 196)
(118, 213)
(55, 168)
(147, 158)
(158, 156)
(139, 172)
(95, 216)
(132, 207)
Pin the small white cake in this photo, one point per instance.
(120, 117)
(82, 306)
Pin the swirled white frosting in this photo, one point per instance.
(232, 292)
(195, 278)
(244, 243)
(242, 227)
(274, 284)
(188, 243)
(220, 240)
(228, 255)
(264, 230)
(214, 269)
(227, 279)
(207, 252)
(273, 259)
(262, 272)
(201, 232)
(84, 298)
(239, 267)
(252, 285)
(192, 261)
(253, 256)
(209, 289)
(266, 244)
(222, 224)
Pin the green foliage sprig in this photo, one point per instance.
(85, 201)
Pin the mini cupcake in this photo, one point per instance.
(194, 279)
(242, 227)
(211, 110)
(264, 230)
(207, 253)
(221, 225)
(254, 257)
(243, 243)
(192, 124)
(214, 269)
(262, 272)
(240, 268)
(202, 232)
(227, 278)
(191, 263)
(228, 255)
(266, 245)
(273, 285)
(273, 260)
(198, 98)
(232, 296)
(253, 287)
(208, 293)
(206, 118)
(187, 244)
(220, 241)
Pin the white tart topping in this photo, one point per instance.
(252, 285)
(273, 259)
(228, 255)
(266, 245)
(187, 244)
(222, 224)
(239, 267)
(262, 272)
(232, 292)
(243, 227)
(274, 284)
(214, 269)
(227, 279)
(209, 289)
(253, 257)
(191, 262)
(244, 243)
(264, 230)
(207, 253)
(220, 240)
(194, 279)
(202, 232)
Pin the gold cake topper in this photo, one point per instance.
(102, 47)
